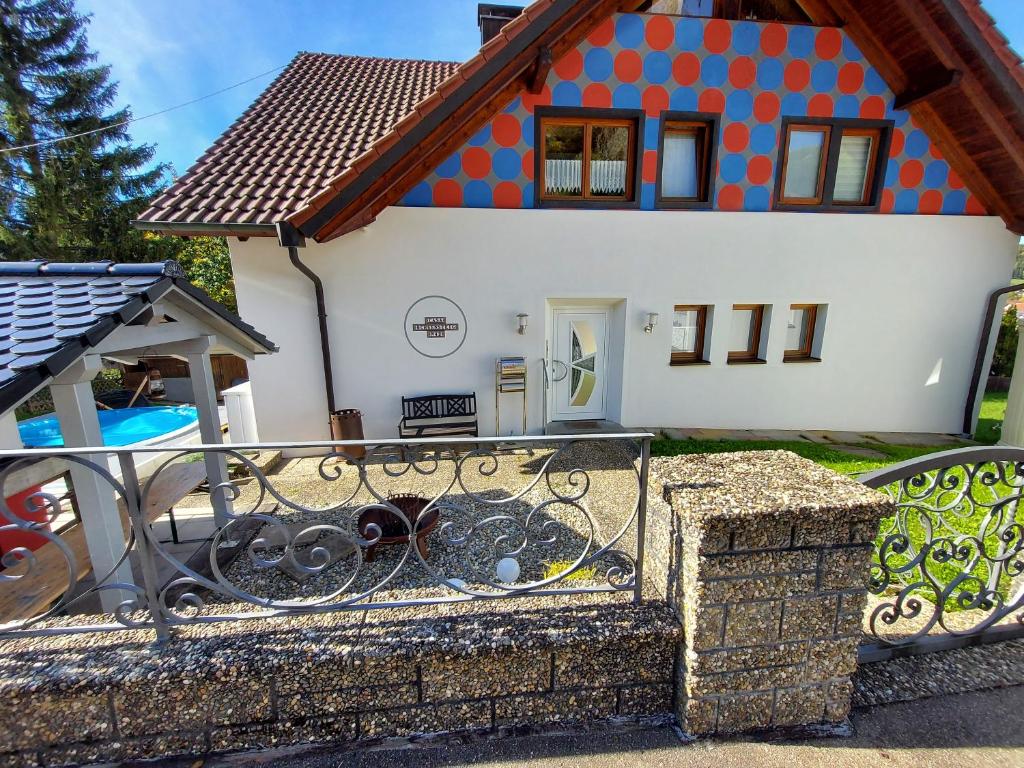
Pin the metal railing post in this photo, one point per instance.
(133, 498)
(641, 518)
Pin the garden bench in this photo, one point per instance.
(435, 415)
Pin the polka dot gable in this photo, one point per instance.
(753, 73)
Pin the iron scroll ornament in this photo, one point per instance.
(435, 324)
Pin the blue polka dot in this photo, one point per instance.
(732, 168)
(629, 30)
(936, 174)
(916, 144)
(477, 194)
(683, 100)
(598, 64)
(482, 137)
(651, 130)
(801, 42)
(566, 94)
(850, 49)
(873, 82)
(906, 202)
(714, 70)
(528, 195)
(746, 38)
(657, 67)
(419, 196)
(528, 136)
(450, 167)
(516, 104)
(900, 117)
(647, 196)
(689, 34)
(626, 96)
(756, 199)
(892, 172)
(794, 105)
(763, 139)
(847, 106)
(769, 74)
(507, 164)
(739, 105)
(954, 202)
(824, 76)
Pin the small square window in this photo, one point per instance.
(745, 333)
(689, 325)
(686, 157)
(800, 332)
(858, 150)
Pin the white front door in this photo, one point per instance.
(578, 364)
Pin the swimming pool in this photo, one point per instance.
(122, 426)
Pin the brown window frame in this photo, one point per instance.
(805, 352)
(834, 129)
(751, 354)
(628, 118)
(697, 356)
(706, 123)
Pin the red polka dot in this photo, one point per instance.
(650, 166)
(476, 162)
(828, 43)
(742, 72)
(508, 195)
(766, 106)
(798, 75)
(603, 34)
(654, 100)
(851, 77)
(661, 32)
(954, 181)
(447, 194)
(934, 151)
(597, 95)
(528, 164)
(730, 198)
(759, 169)
(686, 68)
(911, 173)
(736, 137)
(711, 100)
(888, 201)
(717, 35)
(974, 207)
(873, 108)
(569, 66)
(820, 106)
(506, 130)
(531, 100)
(628, 66)
(930, 203)
(773, 39)
(899, 138)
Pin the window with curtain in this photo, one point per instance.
(854, 166)
(803, 169)
(686, 151)
(688, 328)
(587, 158)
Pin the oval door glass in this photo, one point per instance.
(580, 346)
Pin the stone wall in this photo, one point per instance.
(340, 678)
(769, 556)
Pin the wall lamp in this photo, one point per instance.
(522, 318)
(652, 320)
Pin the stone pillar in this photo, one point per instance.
(10, 438)
(1012, 432)
(773, 566)
(205, 393)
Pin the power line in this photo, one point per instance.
(111, 127)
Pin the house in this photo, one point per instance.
(693, 213)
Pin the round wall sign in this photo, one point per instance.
(435, 326)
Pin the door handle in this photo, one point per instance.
(565, 370)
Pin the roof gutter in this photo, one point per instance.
(225, 229)
(983, 348)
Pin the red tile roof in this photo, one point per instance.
(318, 115)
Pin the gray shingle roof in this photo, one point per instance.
(53, 313)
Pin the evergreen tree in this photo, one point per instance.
(69, 200)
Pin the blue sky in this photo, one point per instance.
(166, 52)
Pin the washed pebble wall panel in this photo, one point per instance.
(753, 73)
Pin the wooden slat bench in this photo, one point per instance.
(439, 415)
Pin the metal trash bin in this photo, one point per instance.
(347, 424)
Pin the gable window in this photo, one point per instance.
(745, 333)
(587, 156)
(689, 326)
(831, 164)
(686, 156)
(800, 332)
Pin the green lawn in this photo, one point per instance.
(993, 409)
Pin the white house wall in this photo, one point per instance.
(905, 297)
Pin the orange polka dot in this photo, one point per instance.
(597, 95)
(911, 173)
(899, 139)
(717, 35)
(766, 106)
(930, 203)
(569, 66)
(974, 207)
(660, 33)
(686, 69)
(476, 162)
(447, 194)
(736, 137)
(603, 34)
(954, 180)
(508, 195)
(934, 151)
(711, 100)
(628, 66)
(531, 100)
(759, 169)
(851, 77)
(506, 130)
(798, 75)
(742, 72)
(873, 108)
(730, 198)
(774, 39)
(828, 43)
(888, 201)
(820, 106)
(654, 100)
(528, 164)
(649, 170)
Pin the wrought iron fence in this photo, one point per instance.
(362, 525)
(948, 568)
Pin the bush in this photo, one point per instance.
(1006, 345)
